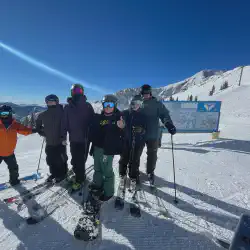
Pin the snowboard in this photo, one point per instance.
(88, 226)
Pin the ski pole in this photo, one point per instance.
(175, 199)
(38, 167)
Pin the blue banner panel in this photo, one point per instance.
(195, 117)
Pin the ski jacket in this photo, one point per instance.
(155, 110)
(136, 127)
(48, 124)
(106, 134)
(8, 137)
(77, 119)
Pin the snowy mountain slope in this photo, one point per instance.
(212, 189)
(202, 90)
(198, 85)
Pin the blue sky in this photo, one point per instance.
(116, 44)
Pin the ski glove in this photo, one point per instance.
(171, 128)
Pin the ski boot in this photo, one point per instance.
(14, 182)
(133, 185)
(122, 181)
(50, 179)
(151, 179)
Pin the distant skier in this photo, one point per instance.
(107, 140)
(135, 141)
(48, 124)
(154, 110)
(78, 116)
(9, 128)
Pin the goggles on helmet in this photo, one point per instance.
(77, 91)
(5, 113)
(108, 104)
(136, 103)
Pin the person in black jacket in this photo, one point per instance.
(134, 143)
(154, 110)
(106, 135)
(48, 124)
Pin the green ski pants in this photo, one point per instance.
(103, 172)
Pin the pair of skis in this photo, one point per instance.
(38, 212)
(7, 185)
(34, 191)
(134, 209)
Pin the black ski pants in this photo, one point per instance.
(79, 154)
(56, 158)
(152, 148)
(130, 158)
(12, 166)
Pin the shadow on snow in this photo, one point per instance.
(222, 220)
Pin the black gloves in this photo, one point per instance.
(171, 128)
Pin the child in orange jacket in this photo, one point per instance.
(9, 128)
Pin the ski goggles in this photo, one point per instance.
(136, 103)
(5, 113)
(51, 100)
(146, 92)
(77, 91)
(108, 105)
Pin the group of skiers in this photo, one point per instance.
(113, 132)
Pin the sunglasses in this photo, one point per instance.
(77, 91)
(5, 113)
(108, 104)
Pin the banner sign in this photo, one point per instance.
(194, 117)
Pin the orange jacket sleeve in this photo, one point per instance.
(21, 129)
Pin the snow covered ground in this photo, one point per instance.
(212, 189)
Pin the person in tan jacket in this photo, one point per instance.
(9, 128)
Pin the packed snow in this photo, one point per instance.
(212, 189)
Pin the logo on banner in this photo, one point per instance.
(209, 106)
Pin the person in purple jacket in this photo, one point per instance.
(78, 116)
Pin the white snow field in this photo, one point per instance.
(212, 189)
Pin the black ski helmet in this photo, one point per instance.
(77, 86)
(110, 98)
(146, 89)
(7, 109)
(52, 97)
